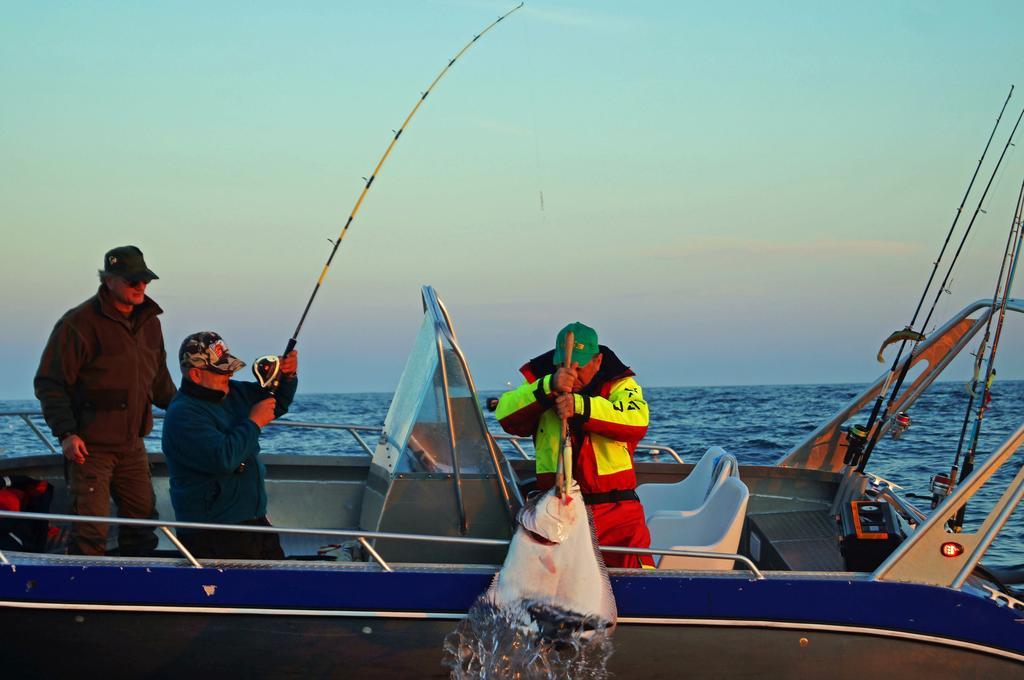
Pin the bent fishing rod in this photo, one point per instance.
(1011, 256)
(879, 426)
(908, 333)
(369, 182)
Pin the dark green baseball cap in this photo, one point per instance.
(128, 263)
(584, 345)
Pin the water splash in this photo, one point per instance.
(528, 641)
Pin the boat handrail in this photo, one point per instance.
(362, 536)
(27, 417)
(353, 430)
(825, 447)
(923, 556)
(515, 441)
(906, 509)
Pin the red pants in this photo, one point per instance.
(622, 524)
(12, 500)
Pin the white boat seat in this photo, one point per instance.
(690, 494)
(715, 528)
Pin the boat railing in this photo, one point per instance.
(516, 442)
(826, 446)
(363, 537)
(353, 430)
(26, 417)
(932, 553)
(359, 433)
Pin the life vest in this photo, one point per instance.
(19, 493)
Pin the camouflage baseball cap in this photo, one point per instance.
(206, 349)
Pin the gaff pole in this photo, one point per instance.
(931, 277)
(369, 182)
(563, 478)
(906, 366)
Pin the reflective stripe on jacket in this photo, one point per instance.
(612, 417)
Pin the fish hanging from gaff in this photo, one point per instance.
(550, 611)
(554, 561)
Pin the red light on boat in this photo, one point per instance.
(951, 549)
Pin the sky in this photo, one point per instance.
(750, 193)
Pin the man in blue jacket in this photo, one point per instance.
(211, 441)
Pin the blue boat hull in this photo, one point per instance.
(151, 620)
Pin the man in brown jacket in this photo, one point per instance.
(103, 368)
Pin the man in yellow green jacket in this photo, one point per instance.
(607, 417)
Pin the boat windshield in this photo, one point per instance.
(430, 395)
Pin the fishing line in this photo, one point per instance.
(369, 182)
(533, 115)
(854, 450)
(918, 337)
(972, 241)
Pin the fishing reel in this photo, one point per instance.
(856, 439)
(900, 424)
(941, 485)
(268, 373)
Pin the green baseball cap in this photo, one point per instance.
(584, 345)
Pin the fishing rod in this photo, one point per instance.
(857, 434)
(369, 182)
(874, 435)
(1012, 253)
(972, 390)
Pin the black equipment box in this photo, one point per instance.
(870, 532)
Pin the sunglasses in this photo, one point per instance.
(217, 371)
(134, 284)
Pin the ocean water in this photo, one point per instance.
(758, 424)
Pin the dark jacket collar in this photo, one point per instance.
(142, 312)
(612, 368)
(199, 392)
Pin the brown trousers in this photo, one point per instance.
(234, 545)
(125, 476)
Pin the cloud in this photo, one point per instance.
(742, 247)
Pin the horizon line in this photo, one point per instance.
(649, 387)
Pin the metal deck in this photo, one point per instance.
(802, 539)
